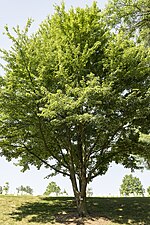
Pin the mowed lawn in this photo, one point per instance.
(22, 210)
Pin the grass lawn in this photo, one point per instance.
(22, 210)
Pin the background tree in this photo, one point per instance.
(72, 103)
(24, 190)
(29, 190)
(6, 188)
(65, 193)
(52, 188)
(89, 192)
(1, 190)
(20, 190)
(148, 191)
(131, 186)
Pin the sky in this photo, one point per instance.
(17, 12)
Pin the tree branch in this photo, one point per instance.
(45, 162)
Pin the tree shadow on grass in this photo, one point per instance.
(48, 209)
(62, 209)
(135, 210)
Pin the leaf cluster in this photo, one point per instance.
(131, 16)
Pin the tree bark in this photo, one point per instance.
(82, 199)
(80, 195)
(79, 182)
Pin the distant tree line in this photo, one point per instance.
(24, 190)
(131, 186)
(20, 190)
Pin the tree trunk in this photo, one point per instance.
(80, 196)
(79, 188)
(82, 208)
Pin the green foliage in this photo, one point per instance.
(22, 190)
(6, 188)
(148, 191)
(135, 12)
(131, 16)
(52, 188)
(131, 185)
(73, 103)
(1, 190)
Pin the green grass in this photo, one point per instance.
(22, 210)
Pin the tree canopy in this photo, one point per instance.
(131, 186)
(52, 188)
(74, 97)
(134, 16)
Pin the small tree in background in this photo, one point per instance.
(20, 190)
(52, 188)
(89, 192)
(29, 190)
(1, 190)
(24, 190)
(148, 191)
(6, 188)
(131, 185)
(65, 193)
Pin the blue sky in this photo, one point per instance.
(16, 12)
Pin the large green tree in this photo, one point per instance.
(74, 97)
